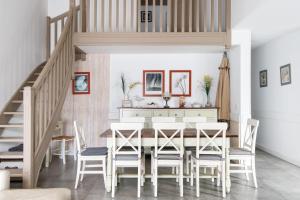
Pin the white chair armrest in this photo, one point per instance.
(4, 180)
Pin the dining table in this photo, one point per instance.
(148, 141)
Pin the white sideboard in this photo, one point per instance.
(210, 113)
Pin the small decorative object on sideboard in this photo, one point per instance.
(126, 91)
(207, 81)
(166, 97)
(181, 101)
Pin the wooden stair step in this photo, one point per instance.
(11, 126)
(11, 139)
(11, 155)
(15, 173)
(30, 82)
(17, 101)
(14, 113)
(37, 73)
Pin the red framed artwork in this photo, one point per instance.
(81, 83)
(153, 82)
(180, 83)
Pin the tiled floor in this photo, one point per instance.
(277, 180)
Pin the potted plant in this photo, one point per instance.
(206, 86)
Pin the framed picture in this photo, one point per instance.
(285, 74)
(81, 83)
(263, 78)
(143, 16)
(180, 83)
(153, 82)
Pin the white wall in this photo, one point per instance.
(276, 106)
(132, 65)
(57, 7)
(23, 47)
(23, 42)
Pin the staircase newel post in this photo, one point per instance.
(28, 143)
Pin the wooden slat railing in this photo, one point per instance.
(184, 16)
(44, 100)
(55, 27)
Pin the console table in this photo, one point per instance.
(210, 113)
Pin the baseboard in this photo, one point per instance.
(279, 155)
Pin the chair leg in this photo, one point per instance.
(181, 178)
(192, 172)
(77, 173)
(152, 168)
(177, 174)
(223, 180)
(139, 180)
(74, 150)
(246, 168)
(197, 179)
(187, 167)
(212, 172)
(219, 177)
(113, 184)
(83, 169)
(254, 171)
(63, 151)
(155, 177)
(104, 171)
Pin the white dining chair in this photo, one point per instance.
(132, 120)
(161, 120)
(246, 154)
(190, 122)
(125, 134)
(88, 154)
(209, 153)
(164, 156)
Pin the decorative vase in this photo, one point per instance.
(208, 103)
(126, 103)
(181, 101)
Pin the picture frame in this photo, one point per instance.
(263, 78)
(81, 83)
(180, 83)
(285, 75)
(153, 82)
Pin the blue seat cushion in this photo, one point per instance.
(128, 157)
(168, 157)
(208, 157)
(94, 151)
(239, 151)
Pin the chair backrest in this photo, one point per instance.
(209, 132)
(80, 138)
(163, 119)
(123, 135)
(168, 132)
(250, 135)
(191, 122)
(132, 120)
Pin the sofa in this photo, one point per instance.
(30, 194)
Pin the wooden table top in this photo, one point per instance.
(188, 133)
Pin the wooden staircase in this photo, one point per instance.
(11, 110)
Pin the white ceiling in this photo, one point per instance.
(266, 19)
